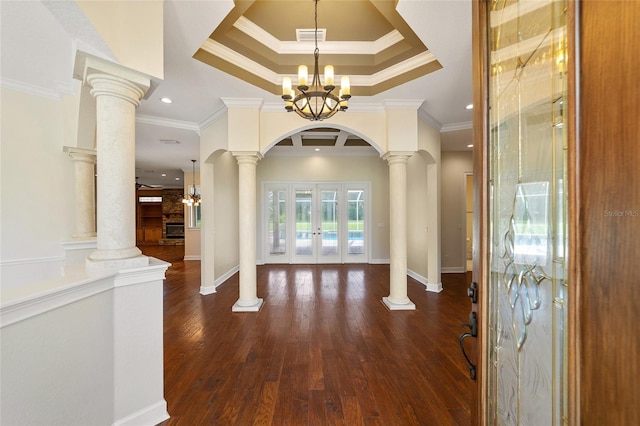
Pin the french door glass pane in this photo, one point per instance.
(329, 223)
(277, 226)
(355, 221)
(304, 232)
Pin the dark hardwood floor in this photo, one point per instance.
(323, 350)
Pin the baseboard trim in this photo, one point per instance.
(151, 415)
(192, 257)
(435, 288)
(379, 261)
(422, 280)
(210, 289)
(453, 270)
(221, 280)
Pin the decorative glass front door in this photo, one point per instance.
(527, 212)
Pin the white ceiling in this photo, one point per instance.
(54, 28)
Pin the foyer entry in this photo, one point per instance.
(310, 222)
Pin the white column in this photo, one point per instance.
(248, 300)
(207, 229)
(116, 100)
(398, 299)
(84, 161)
(434, 280)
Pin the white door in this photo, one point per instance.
(316, 223)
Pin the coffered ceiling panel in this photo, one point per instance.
(259, 42)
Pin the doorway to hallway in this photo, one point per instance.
(311, 222)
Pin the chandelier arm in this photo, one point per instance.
(315, 101)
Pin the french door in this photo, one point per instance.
(316, 223)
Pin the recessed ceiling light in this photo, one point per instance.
(470, 106)
(317, 149)
(163, 174)
(177, 178)
(470, 145)
(166, 100)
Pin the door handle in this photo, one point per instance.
(473, 332)
(470, 365)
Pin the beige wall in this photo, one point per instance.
(37, 184)
(137, 40)
(335, 169)
(226, 231)
(417, 215)
(454, 166)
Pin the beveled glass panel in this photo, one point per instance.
(527, 213)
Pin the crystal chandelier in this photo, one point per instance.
(192, 199)
(316, 102)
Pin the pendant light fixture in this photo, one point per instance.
(193, 198)
(316, 102)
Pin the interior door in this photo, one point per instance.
(526, 215)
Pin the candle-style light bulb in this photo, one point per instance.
(303, 76)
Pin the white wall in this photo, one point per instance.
(59, 365)
(454, 166)
(37, 189)
(84, 349)
(335, 169)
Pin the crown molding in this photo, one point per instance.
(62, 88)
(221, 51)
(457, 126)
(241, 61)
(327, 47)
(243, 102)
(412, 104)
(167, 122)
(428, 118)
(215, 116)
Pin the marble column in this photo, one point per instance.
(397, 299)
(84, 161)
(118, 92)
(248, 300)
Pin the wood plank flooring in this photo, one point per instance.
(323, 350)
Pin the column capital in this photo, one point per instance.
(247, 157)
(109, 78)
(397, 156)
(81, 154)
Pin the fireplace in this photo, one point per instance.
(174, 230)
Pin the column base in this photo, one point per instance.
(132, 262)
(244, 307)
(409, 306)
